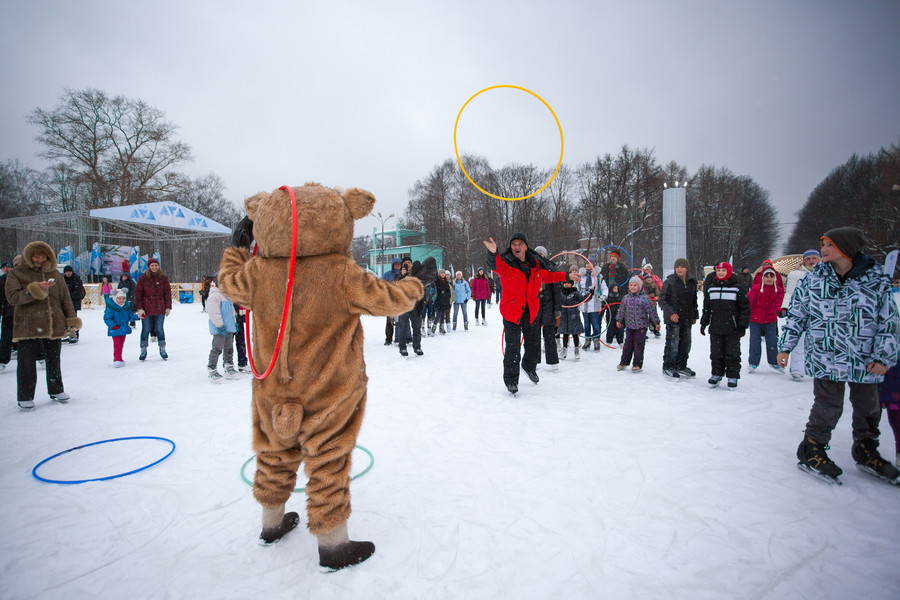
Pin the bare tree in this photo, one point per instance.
(123, 149)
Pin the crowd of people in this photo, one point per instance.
(839, 324)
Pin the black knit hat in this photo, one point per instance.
(683, 262)
(68, 268)
(519, 236)
(848, 240)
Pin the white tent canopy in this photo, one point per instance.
(165, 214)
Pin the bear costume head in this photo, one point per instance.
(324, 215)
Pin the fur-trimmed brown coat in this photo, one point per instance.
(39, 313)
(310, 408)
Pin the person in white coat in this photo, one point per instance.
(810, 259)
(590, 310)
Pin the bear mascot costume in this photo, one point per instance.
(310, 407)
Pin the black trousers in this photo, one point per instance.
(829, 405)
(389, 331)
(548, 331)
(725, 355)
(611, 330)
(403, 325)
(678, 344)
(513, 334)
(30, 351)
(240, 343)
(6, 325)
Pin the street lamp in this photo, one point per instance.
(382, 219)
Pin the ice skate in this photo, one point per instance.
(597, 345)
(671, 373)
(118, 364)
(532, 375)
(62, 397)
(636, 369)
(214, 374)
(587, 344)
(868, 460)
(815, 461)
(231, 372)
(26, 405)
(563, 352)
(576, 349)
(687, 373)
(512, 388)
(732, 383)
(162, 351)
(714, 381)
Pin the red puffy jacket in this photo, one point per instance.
(765, 302)
(519, 291)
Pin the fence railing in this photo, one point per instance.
(184, 293)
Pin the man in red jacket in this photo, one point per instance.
(521, 273)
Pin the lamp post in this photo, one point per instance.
(382, 219)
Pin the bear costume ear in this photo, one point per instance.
(359, 202)
(252, 204)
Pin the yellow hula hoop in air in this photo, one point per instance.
(561, 143)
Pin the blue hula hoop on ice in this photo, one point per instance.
(303, 489)
(34, 471)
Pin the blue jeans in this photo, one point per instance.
(591, 325)
(157, 326)
(456, 307)
(757, 331)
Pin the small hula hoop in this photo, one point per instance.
(303, 489)
(599, 250)
(503, 341)
(132, 472)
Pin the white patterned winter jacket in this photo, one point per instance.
(849, 324)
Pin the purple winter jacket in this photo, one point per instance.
(636, 312)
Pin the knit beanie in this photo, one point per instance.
(541, 250)
(728, 270)
(518, 236)
(636, 279)
(682, 262)
(152, 261)
(616, 254)
(68, 268)
(121, 293)
(848, 240)
(648, 266)
(812, 253)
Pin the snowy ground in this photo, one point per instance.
(593, 484)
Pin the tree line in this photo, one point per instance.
(614, 200)
(863, 192)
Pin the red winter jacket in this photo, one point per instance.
(153, 294)
(519, 290)
(481, 288)
(765, 302)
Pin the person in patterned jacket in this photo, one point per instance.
(846, 307)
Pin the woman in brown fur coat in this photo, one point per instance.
(311, 407)
(43, 315)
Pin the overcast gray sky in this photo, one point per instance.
(366, 93)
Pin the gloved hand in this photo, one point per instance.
(425, 271)
(703, 330)
(168, 310)
(782, 313)
(242, 236)
(141, 314)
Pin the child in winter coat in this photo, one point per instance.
(678, 301)
(117, 317)
(570, 320)
(889, 392)
(222, 327)
(591, 281)
(726, 312)
(765, 302)
(462, 293)
(635, 314)
(481, 292)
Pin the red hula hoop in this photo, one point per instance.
(287, 297)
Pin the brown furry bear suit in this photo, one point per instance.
(310, 408)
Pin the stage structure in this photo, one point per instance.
(187, 244)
